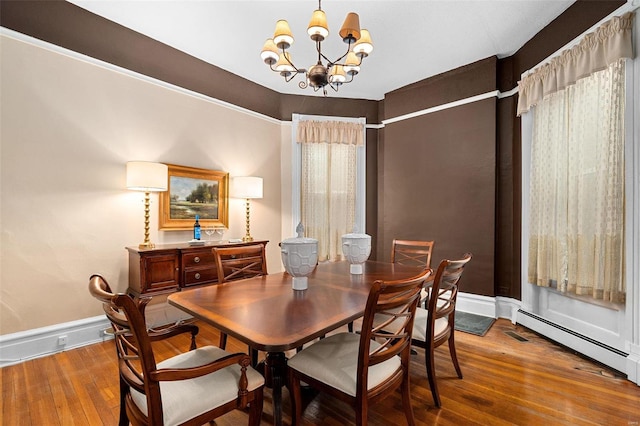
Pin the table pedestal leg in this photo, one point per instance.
(275, 375)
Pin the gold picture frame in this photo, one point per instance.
(190, 192)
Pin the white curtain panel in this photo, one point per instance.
(328, 182)
(577, 188)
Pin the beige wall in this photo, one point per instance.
(67, 129)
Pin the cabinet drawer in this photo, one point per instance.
(199, 258)
(199, 276)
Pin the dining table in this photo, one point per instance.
(268, 315)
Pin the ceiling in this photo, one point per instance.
(412, 40)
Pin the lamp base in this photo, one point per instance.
(247, 238)
(147, 245)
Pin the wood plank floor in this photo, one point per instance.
(506, 382)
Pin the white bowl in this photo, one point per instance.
(356, 249)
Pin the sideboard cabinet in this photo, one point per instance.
(168, 268)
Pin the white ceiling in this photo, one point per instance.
(412, 40)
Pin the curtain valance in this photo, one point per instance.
(607, 44)
(330, 132)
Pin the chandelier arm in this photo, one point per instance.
(288, 78)
(331, 63)
(298, 70)
(291, 75)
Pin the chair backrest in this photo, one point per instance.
(100, 289)
(388, 319)
(235, 263)
(412, 252)
(444, 291)
(133, 345)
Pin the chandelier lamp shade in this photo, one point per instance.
(326, 72)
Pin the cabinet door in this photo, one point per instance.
(159, 272)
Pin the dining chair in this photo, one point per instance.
(99, 287)
(363, 368)
(236, 263)
(435, 325)
(171, 392)
(413, 253)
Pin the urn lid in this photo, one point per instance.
(355, 235)
(300, 239)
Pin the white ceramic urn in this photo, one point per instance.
(356, 249)
(299, 257)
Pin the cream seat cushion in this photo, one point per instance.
(334, 361)
(185, 399)
(420, 325)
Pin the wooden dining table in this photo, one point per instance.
(268, 315)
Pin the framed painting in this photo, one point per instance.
(192, 192)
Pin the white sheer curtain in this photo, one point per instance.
(577, 165)
(328, 181)
(577, 188)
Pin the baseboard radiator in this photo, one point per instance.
(607, 355)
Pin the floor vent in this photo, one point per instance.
(516, 336)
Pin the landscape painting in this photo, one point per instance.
(192, 191)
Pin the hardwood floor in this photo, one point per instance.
(506, 381)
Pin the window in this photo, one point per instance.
(328, 182)
(577, 203)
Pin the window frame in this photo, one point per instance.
(296, 170)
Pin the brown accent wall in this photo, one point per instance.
(508, 199)
(438, 183)
(333, 106)
(470, 80)
(372, 189)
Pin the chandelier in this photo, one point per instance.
(325, 72)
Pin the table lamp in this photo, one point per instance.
(148, 177)
(247, 187)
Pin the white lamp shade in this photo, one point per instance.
(247, 187)
(284, 63)
(270, 53)
(147, 176)
(364, 45)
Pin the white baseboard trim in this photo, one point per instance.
(614, 358)
(494, 307)
(30, 344)
(633, 364)
(39, 342)
(507, 308)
